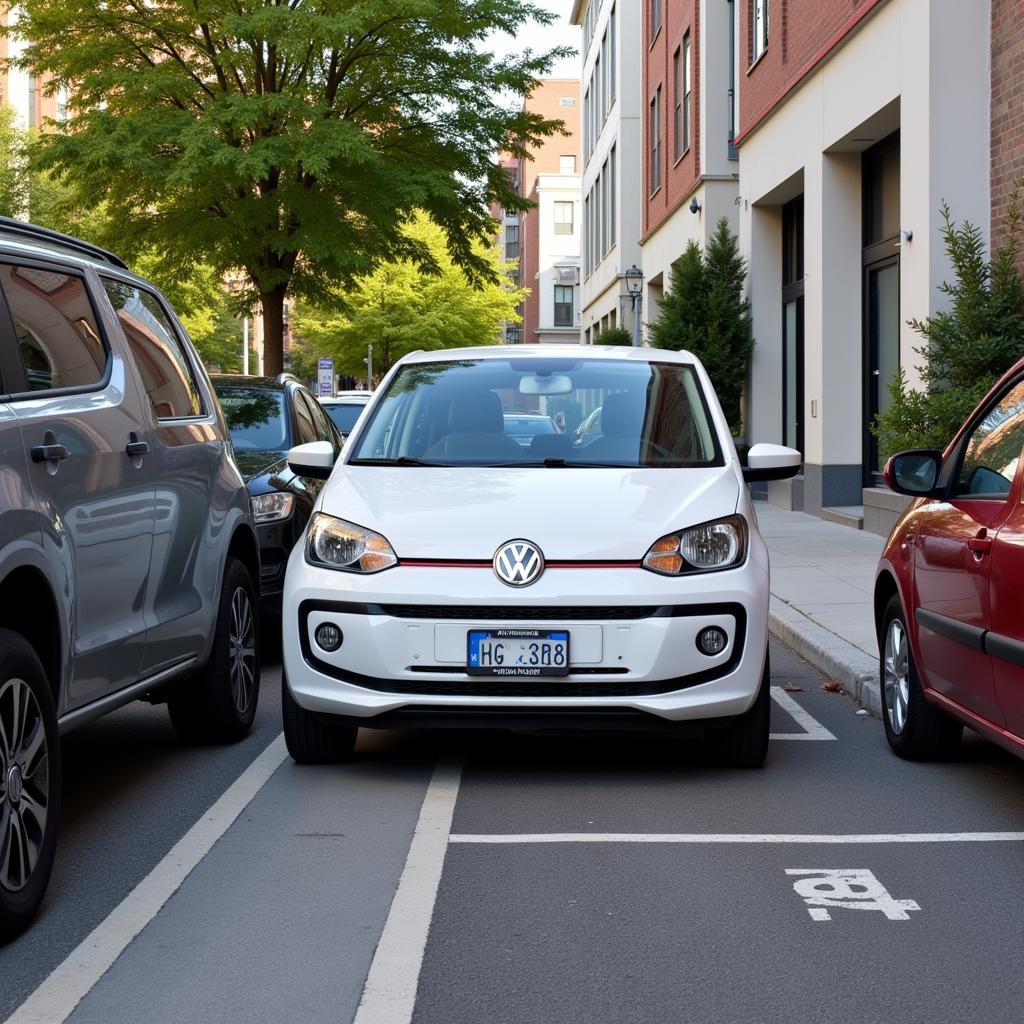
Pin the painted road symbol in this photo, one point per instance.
(848, 888)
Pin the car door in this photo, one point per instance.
(186, 452)
(953, 556)
(82, 422)
(1005, 640)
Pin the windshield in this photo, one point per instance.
(344, 416)
(255, 418)
(468, 413)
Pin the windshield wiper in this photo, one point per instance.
(553, 463)
(402, 460)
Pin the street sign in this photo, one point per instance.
(325, 378)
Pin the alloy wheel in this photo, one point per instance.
(897, 676)
(242, 650)
(24, 783)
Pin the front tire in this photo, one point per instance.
(915, 730)
(744, 742)
(218, 704)
(30, 783)
(310, 739)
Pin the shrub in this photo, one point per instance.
(614, 336)
(969, 346)
(705, 312)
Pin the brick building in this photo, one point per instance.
(857, 119)
(23, 92)
(549, 233)
(690, 166)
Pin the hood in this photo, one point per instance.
(254, 464)
(586, 514)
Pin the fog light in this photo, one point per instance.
(711, 641)
(328, 637)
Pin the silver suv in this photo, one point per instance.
(127, 551)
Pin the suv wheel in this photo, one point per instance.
(218, 704)
(914, 729)
(311, 739)
(29, 783)
(744, 742)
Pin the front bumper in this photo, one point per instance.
(633, 650)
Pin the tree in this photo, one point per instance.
(400, 307)
(705, 312)
(614, 336)
(289, 140)
(969, 345)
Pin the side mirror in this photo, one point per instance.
(771, 462)
(314, 459)
(915, 472)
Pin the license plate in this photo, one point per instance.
(518, 652)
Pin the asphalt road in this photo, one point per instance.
(581, 878)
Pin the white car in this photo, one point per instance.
(451, 576)
(345, 408)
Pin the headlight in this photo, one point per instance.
(718, 545)
(269, 508)
(336, 544)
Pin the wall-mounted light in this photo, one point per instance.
(906, 235)
(694, 205)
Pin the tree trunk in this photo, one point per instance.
(272, 304)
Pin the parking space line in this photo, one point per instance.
(812, 728)
(767, 838)
(389, 994)
(55, 999)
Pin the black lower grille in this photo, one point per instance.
(523, 688)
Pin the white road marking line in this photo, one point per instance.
(742, 837)
(70, 982)
(389, 994)
(813, 729)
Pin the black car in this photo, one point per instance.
(267, 416)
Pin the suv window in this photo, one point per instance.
(320, 420)
(304, 418)
(993, 449)
(166, 373)
(58, 339)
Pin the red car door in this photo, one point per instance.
(953, 558)
(1005, 641)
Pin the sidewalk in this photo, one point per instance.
(823, 577)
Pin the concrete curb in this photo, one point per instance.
(829, 653)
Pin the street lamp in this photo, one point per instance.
(634, 288)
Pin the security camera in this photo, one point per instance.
(694, 205)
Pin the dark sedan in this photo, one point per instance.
(266, 417)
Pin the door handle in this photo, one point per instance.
(136, 448)
(48, 452)
(980, 545)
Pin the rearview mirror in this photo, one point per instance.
(771, 462)
(552, 384)
(914, 473)
(314, 459)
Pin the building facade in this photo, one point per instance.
(690, 166)
(25, 94)
(612, 85)
(549, 232)
(857, 120)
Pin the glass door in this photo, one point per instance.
(882, 288)
(793, 324)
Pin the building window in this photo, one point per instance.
(677, 106)
(514, 334)
(655, 18)
(688, 93)
(511, 241)
(604, 209)
(612, 22)
(586, 124)
(563, 219)
(655, 130)
(567, 164)
(567, 101)
(563, 305)
(760, 22)
(611, 199)
(586, 230)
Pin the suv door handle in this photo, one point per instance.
(980, 545)
(48, 452)
(136, 448)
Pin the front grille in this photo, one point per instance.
(524, 613)
(526, 688)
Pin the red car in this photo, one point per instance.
(949, 594)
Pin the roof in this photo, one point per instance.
(23, 235)
(563, 351)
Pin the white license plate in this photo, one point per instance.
(518, 652)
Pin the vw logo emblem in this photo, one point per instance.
(518, 563)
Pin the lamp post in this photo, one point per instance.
(634, 287)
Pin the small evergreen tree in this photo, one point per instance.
(969, 346)
(705, 312)
(615, 336)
